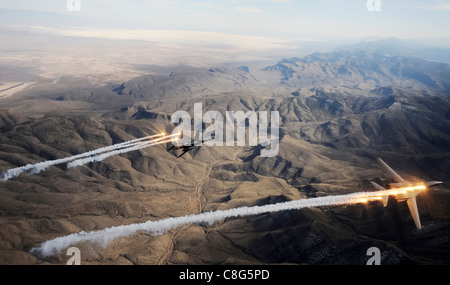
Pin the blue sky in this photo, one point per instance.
(282, 19)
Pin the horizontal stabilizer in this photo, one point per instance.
(379, 187)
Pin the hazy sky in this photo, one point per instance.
(45, 33)
(280, 19)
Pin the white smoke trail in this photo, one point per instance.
(104, 237)
(102, 156)
(40, 166)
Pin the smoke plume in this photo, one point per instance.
(105, 236)
(40, 166)
(102, 156)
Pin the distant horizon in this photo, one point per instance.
(279, 19)
(117, 41)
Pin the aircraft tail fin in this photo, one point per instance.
(385, 200)
(412, 205)
(197, 140)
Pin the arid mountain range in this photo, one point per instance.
(339, 111)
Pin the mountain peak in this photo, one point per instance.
(358, 67)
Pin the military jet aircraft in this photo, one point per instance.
(186, 148)
(403, 190)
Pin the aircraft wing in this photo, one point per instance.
(182, 154)
(185, 149)
(412, 205)
(379, 187)
(394, 175)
